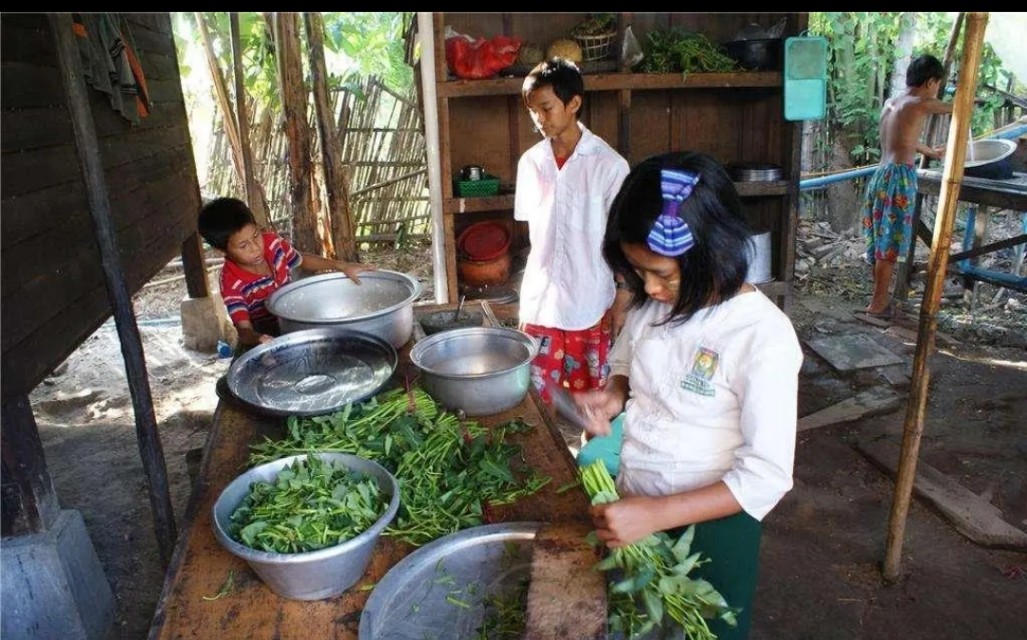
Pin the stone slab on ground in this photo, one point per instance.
(853, 351)
(54, 585)
(971, 515)
(873, 401)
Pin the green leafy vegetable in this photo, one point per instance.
(450, 472)
(312, 504)
(653, 582)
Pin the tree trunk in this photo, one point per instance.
(224, 104)
(254, 198)
(339, 215)
(903, 52)
(843, 198)
(297, 131)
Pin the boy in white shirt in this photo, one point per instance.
(565, 185)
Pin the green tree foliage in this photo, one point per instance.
(861, 57)
(358, 44)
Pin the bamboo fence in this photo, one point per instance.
(383, 151)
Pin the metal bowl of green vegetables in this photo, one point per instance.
(307, 524)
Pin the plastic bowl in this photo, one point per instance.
(313, 575)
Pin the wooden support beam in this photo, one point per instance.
(29, 502)
(955, 156)
(195, 266)
(88, 149)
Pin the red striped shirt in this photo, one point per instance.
(244, 292)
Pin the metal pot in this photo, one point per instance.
(472, 172)
(758, 54)
(479, 370)
(382, 304)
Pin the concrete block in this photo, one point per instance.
(204, 322)
(53, 585)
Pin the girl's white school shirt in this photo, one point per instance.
(567, 283)
(714, 398)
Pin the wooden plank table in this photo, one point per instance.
(200, 565)
(999, 194)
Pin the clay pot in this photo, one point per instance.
(484, 272)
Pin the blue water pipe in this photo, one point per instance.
(823, 181)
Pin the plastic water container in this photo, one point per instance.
(605, 448)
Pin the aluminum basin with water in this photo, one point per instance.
(382, 304)
(479, 370)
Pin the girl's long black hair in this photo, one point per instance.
(711, 271)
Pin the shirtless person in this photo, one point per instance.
(891, 192)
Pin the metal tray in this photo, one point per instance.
(469, 566)
(312, 372)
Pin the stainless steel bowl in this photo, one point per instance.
(313, 575)
(312, 372)
(480, 370)
(382, 304)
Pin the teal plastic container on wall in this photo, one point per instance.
(805, 78)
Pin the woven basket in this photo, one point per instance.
(487, 186)
(597, 47)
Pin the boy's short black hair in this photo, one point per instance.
(559, 73)
(923, 68)
(222, 217)
(715, 268)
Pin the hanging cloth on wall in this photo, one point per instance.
(110, 64)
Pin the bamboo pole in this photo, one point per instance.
(952, 176)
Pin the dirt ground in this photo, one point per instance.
(823, 545)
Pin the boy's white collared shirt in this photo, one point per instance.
(567, 283)
(714, 398)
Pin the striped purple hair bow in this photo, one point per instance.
(670, 235)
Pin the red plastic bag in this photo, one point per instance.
(481, 58)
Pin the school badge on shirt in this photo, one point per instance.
(704, 365)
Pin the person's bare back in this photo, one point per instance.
(902, 121)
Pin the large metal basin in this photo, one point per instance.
(991, 158)
(313, 575)
(479, 370)
(312, 372)
(382, 304)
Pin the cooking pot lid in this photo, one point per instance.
(312, 372)
(484, 241)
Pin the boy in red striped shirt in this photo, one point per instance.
(257, 263)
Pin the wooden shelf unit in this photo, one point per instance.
(735, 117)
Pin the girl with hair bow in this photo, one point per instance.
(706, 370)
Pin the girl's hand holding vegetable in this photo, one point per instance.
(627, 520)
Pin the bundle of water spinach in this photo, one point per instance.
(450, 471)
(312, 504)
(653, 589)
